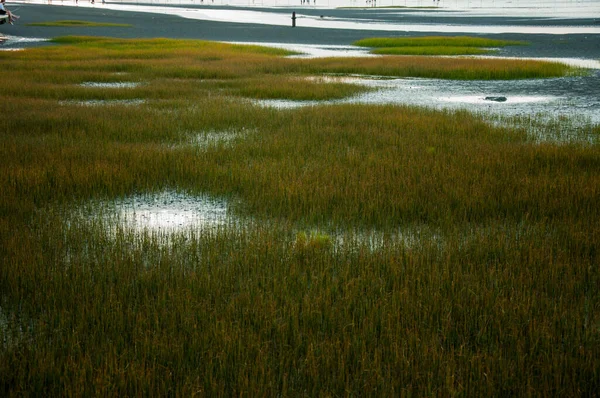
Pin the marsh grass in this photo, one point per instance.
(440, 68)
(205, 60)
(436, 41)
(293, 88)
(431, 50)
(500, 299)
(312, 241)
(550, 128)
(434, 45)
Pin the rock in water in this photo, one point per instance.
(496, 99)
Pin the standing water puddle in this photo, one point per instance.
(213, 138)
(129, 102)
(110, 85)
(171, 212)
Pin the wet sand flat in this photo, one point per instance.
(162, 24)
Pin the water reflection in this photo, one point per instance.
(539, 13)
(128, 102)
(110, 85)
(577, 96)
(171, 211)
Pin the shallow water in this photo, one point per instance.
(13, 43)
(129, 102)
(317, 51)
(533, 8)
(271, 13)
(213, 138)
(171, 211)
(577, 96)
(14, 328)
(110, 85)
(165, 213)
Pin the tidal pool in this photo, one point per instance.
(110, 85)
(568, 96)
(576, 97)
(128, 102)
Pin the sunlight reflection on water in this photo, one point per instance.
(569, 96)
(271, 13)
(110, 85)
(171, 211)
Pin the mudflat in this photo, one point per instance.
(161, 24)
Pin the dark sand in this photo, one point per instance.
(149, 25)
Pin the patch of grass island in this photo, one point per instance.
(435, 45)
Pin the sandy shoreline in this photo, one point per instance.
(148, 25)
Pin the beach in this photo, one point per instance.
(560, 36)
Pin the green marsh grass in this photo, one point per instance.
(293, 88)
(205, 60)
(430, 50)
(434, 45)
(439, 68)
(550, 128)
(500, 298)
(435, 41)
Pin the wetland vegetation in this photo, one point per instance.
(494, 291)
(435, 45)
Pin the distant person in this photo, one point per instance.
(3, 11)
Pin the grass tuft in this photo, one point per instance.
(435, 41)
(434, 45)
(431, 50)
